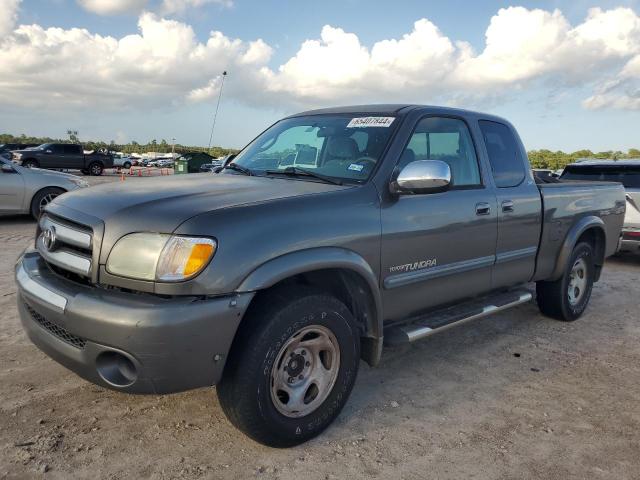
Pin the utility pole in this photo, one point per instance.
(215, 115)
(173, 146)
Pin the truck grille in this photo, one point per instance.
(66, 244)
(56, 330)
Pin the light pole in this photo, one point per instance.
(173, 146)
(215, 115)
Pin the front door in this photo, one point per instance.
(439, 247)
(11, 191)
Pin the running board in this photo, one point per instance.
(444, 319)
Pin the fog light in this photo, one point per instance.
(116, 369)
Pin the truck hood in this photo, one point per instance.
(162, 204)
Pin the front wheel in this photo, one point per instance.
(291, 368)
(567, 298)
(42, 199)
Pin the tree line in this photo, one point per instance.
(538, 158)
(132, 147)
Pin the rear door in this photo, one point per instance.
(519, 205)
(438, 247)
(72, 156)
(11, 191)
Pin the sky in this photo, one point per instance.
(567, 74)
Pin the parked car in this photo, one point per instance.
(7, 148)
(63, 156)
(273, 281)
(544, 174)
(195, 160)
(24, 190)
(626, 172)
(164, 163)
(122, 161)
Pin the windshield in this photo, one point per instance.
(628, 175)
(342, 147)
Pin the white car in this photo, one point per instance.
(122, 161)
(29, 190)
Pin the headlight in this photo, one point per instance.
(79, 182)
(17, 156)
(161, 257)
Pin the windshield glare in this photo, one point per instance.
(338, 146)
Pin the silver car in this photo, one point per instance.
(28, 190)
(626, 172)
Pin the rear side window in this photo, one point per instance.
(504, 155)
(71, 149)
(628, 176)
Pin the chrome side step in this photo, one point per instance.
(441, 320)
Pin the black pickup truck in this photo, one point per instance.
(63, 155)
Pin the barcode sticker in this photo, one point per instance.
(370, 122)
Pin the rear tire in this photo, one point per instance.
(567, 298)
(42, 198)
(126, 165)
(291, 368)
(30, 163)
(96, 169)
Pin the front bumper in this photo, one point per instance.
(131, 342)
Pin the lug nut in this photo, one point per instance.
(304, 352)
(291, 379)
(300, 377)
(308, 363)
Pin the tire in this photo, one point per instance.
(42, 198)
(126, 165)
(266, 348)
(30, 163)
(567, 298)
(96, 169)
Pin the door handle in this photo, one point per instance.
(507, 206)
(483, 208)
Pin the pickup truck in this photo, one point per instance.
(63, 156)
(272, 280)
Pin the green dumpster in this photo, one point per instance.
(191, 162)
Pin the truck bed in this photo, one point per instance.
(565, 204)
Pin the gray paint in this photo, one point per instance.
(269, 229)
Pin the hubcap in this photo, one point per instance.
(305, 371)
(577, 281)
(47, 199)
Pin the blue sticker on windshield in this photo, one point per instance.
(355, 167)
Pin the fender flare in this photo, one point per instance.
(322, 258)
(570, 240)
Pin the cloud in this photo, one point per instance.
(164, 63)
(180, 6)
(112, 7)
(8, 16)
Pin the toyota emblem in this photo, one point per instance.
(49, 238)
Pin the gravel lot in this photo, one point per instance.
(515, 395)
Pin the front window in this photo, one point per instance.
(341, 147)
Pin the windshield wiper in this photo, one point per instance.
(238, 168)
(299, 172)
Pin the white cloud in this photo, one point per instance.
(180, 6)
(112, 7)
(165, 63)
(8, 16)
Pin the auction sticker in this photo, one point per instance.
(371, 122)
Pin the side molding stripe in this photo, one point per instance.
(407, 278)
(516, 254)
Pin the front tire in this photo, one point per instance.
(291, 368)
(567, 298)
(42, 198)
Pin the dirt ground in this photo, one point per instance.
(515, 395)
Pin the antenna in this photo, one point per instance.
(215, 115)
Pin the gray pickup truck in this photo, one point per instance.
(63, 156)
(331, 233)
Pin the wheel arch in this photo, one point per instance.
(35, 194)
(591, 229)
(338, 271)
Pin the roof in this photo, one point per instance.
(631, 162)
(395, 108)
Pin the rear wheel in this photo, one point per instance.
(567, 298)
(42, 199)
(30, 163)
(95, 169)
(126, 165)
(291, 369)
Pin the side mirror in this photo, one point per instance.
(7, 169)
(423, 176)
